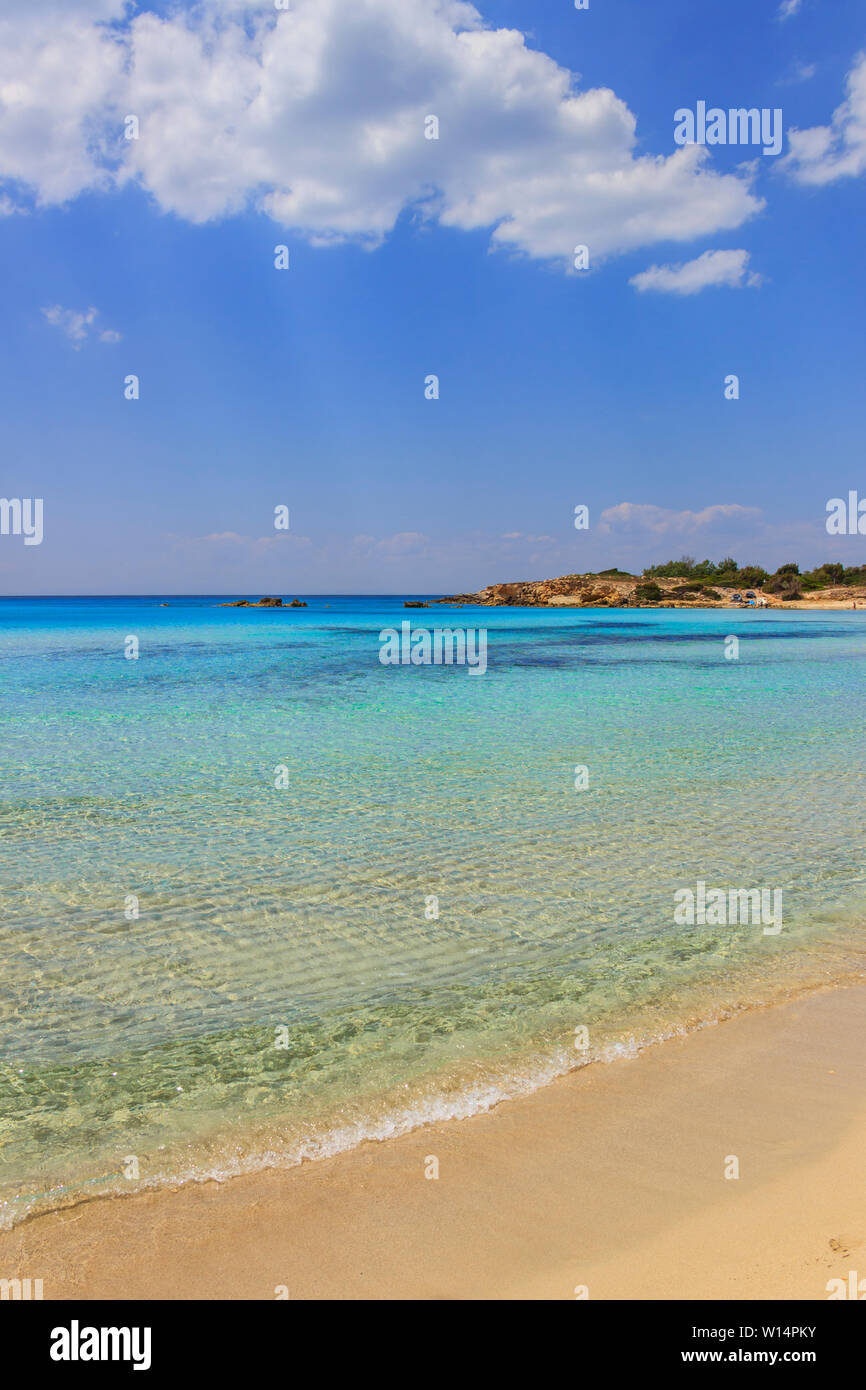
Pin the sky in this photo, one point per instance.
(411, 257)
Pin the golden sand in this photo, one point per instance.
(612, 1178)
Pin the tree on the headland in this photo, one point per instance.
(833, 574)
(787, 580)
(752, 577)
(687, 567)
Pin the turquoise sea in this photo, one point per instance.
(286, 988)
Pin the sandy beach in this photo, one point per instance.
(611, 1179)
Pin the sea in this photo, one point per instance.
(264, 898)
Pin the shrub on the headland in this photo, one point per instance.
(785, 582)
(787, 586)
(648, 593)
(695, 589)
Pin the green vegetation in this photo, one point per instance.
(687, 567)
(696, 589)
(787, 581)
(615, 574)
(648, 593)
(829, 575)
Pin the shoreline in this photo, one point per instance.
(610, 1176)
(616, 589)
(797, 605)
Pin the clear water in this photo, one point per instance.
(303, 908)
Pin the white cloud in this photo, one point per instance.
(60, 72)
(316, 116)
(530, 539)
(403, 545)
(824, 153)
(800, 72)
(233, 548)
(78, 325)
(788, 8)
(636, 517)
(712, 268)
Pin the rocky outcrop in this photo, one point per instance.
(264, 603)
(593, 591)
(569, 590)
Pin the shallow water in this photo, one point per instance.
(302, 908)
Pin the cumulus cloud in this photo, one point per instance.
(712, 268)
(788, 8)
(824, 153)
(316, 116)
(79, 325)
(61, 73)
(638, 517)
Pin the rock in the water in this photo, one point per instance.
(264, 603)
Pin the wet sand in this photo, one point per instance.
(610, 1179)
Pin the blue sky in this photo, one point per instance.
(305, 387)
